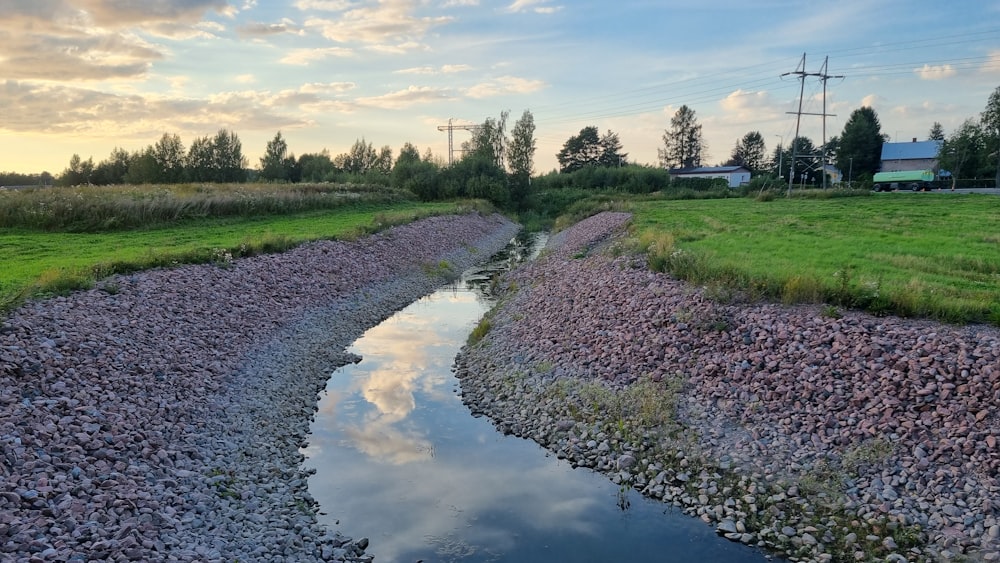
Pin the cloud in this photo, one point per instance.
(458, 3)
(405, 98)
(429, 70)
(387, 22)
(504, 85)
(60, 110)
(399, 49)
(324, 5)
(256, 29)
(245, 78)
(928, 72)
(93, 39)
(870, 100)
(303, 57)
(124, 13)
(328, 88)
(992, 64)
(741, 102)
(537, 6)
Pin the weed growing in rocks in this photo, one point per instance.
(442, 269)
(478, 333)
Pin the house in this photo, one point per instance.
(736, 176)
(915, 155)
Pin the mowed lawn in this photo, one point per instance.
(27, 256)
(921, 251)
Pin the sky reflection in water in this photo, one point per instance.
(399, 458)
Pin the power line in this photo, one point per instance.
(800, 71)
(450, 128)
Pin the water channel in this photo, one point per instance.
(401, 460)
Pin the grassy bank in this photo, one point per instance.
(921, 255)
(89, 209)
(42, 262)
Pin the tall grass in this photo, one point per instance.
(102, 209)
(37, 263)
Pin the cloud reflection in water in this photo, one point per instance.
(400, 459)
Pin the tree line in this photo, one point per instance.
(972, 150)
(498, 165)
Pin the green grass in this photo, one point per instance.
(40, 262)
(920, 255)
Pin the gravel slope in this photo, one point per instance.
(899, 413)
(160, 416)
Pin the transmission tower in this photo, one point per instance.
(450, 128)
(800, 71)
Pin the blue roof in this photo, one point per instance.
(708, 170)
(910, 151)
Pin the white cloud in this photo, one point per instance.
(327, 88)
(303, 57)
(928, 72)
(143, 116)
(324, 5)
(741, 102)
(429, 70)
(537, 6)
(992, 64)
(388, 22)
(458, 3)
(504, 85)
(871, 100)
(399, 49)
(245, 78)
(405, 98)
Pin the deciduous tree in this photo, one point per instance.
(168, 153)
(228, 162)
(521, 157)
(274, 163)
(78, 172)
(963, 153)
(316, 167)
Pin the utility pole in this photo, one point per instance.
(800, 71)
(450, 128)
(781, 141)
(823, 76)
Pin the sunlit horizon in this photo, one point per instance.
(88, 76)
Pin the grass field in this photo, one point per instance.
(922, 255)
(41, 262)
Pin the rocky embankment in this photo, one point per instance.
(822, 436)
(159, 416)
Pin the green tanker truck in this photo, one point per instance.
(916, 180)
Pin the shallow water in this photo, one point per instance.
(399, 457)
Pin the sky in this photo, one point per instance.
(87, 76)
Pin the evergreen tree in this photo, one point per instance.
(683, 145)
(861, 143)
(990, 121)
(936, 133)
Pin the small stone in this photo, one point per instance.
(889, 543)
(726, 527)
